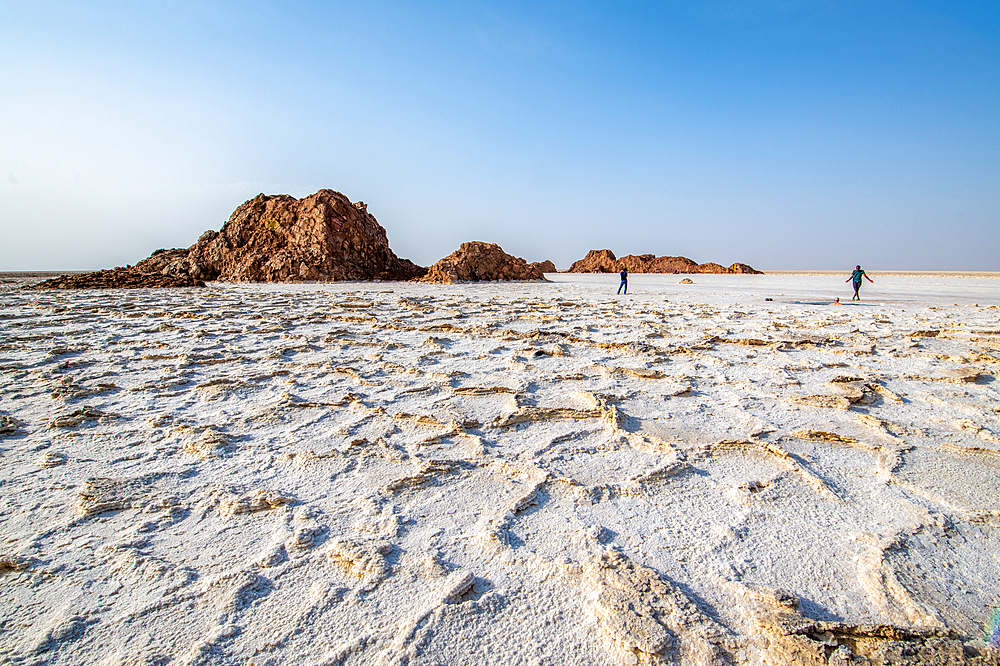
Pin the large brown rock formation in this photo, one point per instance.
(278, 238)
(477, 261)
(271, 238)
(604, 261)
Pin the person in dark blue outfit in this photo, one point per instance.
(624, 283)
(856, 277)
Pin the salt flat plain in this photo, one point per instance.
(385, 473)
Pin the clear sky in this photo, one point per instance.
(779, 133)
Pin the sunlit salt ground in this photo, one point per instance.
(386, 473)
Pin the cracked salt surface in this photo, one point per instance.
(386, 473)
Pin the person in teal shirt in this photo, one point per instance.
(856, 277)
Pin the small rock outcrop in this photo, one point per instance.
(545, 266)
(604, 261)
(477, 261)
(270, 238)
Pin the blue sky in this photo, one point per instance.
(781, 134)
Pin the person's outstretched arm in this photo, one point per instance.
(869, 279)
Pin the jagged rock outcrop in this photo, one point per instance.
(604, 261)
(545, 266)
(127, 277)
(271, 238)
(477, 261)
(596, 261)
(278, 238)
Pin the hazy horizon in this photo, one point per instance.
(784, 135)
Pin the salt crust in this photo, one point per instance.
(501, 474)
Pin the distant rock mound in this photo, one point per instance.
(604, 261)
(648, 263)
(272, 238)
(119, 278)
(544, 266)
(709, 267)
(477, 261)
(596, 261)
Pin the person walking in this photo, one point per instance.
(856, 277)
(624, 283)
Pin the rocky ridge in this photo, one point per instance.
(604, 261)
(477, 261)
(325, 237)
(126, 277)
